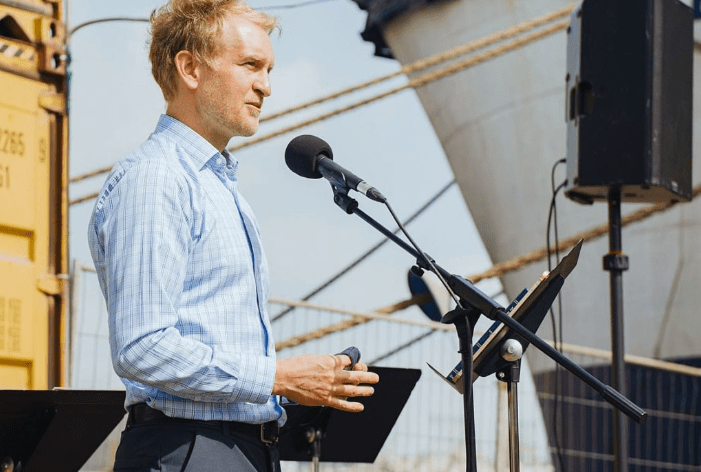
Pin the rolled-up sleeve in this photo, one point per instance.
(144, 226)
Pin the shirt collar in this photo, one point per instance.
(200, 150)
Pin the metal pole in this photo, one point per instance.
(314, 436)
(501, 459)
(512, 351)
(514, 449)
(616, 262)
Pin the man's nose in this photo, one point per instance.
(262, 84)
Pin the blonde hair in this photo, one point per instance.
(192, 25)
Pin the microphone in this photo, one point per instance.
(311, 157)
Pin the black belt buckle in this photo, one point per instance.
(269, 432)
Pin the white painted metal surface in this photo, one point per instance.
(502, 125)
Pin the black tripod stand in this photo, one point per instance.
(616, 262)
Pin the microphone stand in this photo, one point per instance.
(478, 303)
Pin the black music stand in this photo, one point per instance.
(529, 309)
(55, 429)
(325, 434)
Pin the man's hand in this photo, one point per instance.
(322, 381)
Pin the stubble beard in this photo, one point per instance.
(248, 129)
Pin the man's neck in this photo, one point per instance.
(185, 115)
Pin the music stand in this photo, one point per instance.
(55, 429)
(529, 309)
(325, 434)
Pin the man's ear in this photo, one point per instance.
(188, 69)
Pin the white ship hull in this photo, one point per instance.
(502, 126)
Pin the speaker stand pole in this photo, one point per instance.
(615, 262)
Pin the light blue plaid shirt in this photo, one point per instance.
(180, 262)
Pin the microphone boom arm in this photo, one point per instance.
(484, 304)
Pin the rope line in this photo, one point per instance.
(436, 59)
(87, 175)
(375, 315)
(400, 348)
(413, 83)
(632, 359)
(539, 254)
(496, 270)
(414, 67)
(83, 199)
(367, 253)
(569, 348)
(573, 349)
(357, 319)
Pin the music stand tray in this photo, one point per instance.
(56, 429)
(349, 437)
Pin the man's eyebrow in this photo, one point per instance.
(254, 57)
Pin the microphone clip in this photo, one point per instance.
(341, 198)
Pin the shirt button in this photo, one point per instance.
(221, 161)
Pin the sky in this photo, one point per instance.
(115, 104)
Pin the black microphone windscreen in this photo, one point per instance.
(302, 154)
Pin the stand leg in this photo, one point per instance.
(501, 458)
(314, 436)
(615, 262)
(464, 321)
(465, 334)
(514, 456)
(511, 375)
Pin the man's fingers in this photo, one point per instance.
(363, 377)
(344, 360)
(352, 407)
(359, 374)
(360, 367)
(350, 391)
(357, 377)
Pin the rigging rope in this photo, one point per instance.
(408, 69)
(566, 347)
(413, 83)
(496, 270)
(367, 253)
(423, 64)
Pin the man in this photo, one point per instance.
(180, 263)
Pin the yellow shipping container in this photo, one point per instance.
(33, 194)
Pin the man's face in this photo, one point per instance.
(232, 88)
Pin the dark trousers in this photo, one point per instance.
(191, 446)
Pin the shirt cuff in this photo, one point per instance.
(256, 379)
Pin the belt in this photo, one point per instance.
(268, 433)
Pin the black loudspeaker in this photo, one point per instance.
(629, 100)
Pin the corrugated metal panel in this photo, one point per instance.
(33, 215)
